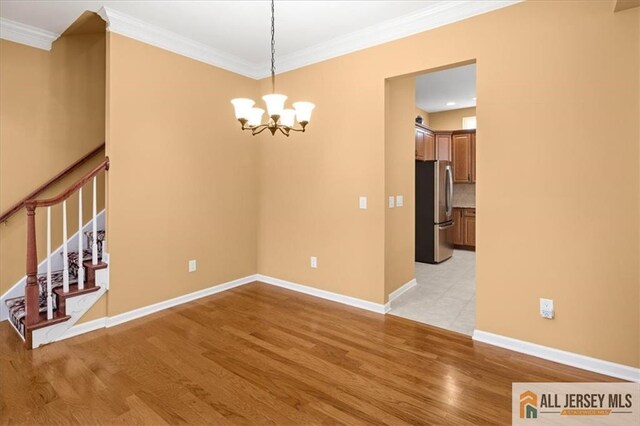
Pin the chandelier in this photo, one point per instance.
(280, 118)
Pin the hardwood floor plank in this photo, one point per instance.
(258, 355)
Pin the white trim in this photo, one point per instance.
(568, 358)
(438, 15)
(422, 20)
(403, 289)
(433, 16)
(120, 23)
(85, 327)
(323, 294)
(15, 328)
(156, 307)
(26, 34)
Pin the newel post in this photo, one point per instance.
(32, 290)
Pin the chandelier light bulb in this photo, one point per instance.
(275, 104)
(288, 117)
(303, 111)
(242, 107)
(255, 116)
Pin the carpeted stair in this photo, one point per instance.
(16, 305)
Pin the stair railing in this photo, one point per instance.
(32, 289)
(57, 178)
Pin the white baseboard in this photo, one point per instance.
(403, 289)
(323, 294)
(147, 310)
(141, 312)
(568, 358)
(103, 322)
(85, 327)
(562, 357)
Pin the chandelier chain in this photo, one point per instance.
(273, 47)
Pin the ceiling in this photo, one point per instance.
(436, 89)
(235, 34)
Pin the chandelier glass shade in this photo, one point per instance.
(279, 118)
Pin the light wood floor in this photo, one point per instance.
(263, 355)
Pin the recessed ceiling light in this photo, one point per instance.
(451, 103)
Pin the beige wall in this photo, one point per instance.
(51, 114)
(450, 120)
(186, 184)
(554, 240)
(310, 184)
(399, 137)
(183, 180)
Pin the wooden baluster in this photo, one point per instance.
(65, 253)
(80, 238)
(32, 289)
(49, 299)
(94, 247)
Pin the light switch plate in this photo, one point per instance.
(399, 201)
(314, 262)
(363, 203)
(192, 266)
(392, 202)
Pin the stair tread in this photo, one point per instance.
(99, 265)
(16, 305)
(74, 291)
(58, 317)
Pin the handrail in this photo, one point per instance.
(13, 209)
(32, 204)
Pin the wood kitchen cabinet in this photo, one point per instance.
(464, 227)
(473, 157)
(432, 145)
(458, 226)
(425, 143)
(469, 221)
(463, 153)
(443, 145)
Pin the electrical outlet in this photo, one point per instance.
(399, 201)
(314, 262)
(392, 202)
(546, 308)
(192, 266)
(363, 203)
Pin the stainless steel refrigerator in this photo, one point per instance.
(434, 211)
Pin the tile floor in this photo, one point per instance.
(445, 295)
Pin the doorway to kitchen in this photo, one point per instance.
(445, 210)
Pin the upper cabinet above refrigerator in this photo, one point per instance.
(432, 144)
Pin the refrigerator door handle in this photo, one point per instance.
(449, 196)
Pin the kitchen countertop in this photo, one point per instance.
(464, 207)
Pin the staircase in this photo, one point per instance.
(16, 305)
(55, 300)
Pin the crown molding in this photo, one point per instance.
(393, 29)
(440, 14)
(26, 34)
(423, 20)
(128, 26)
